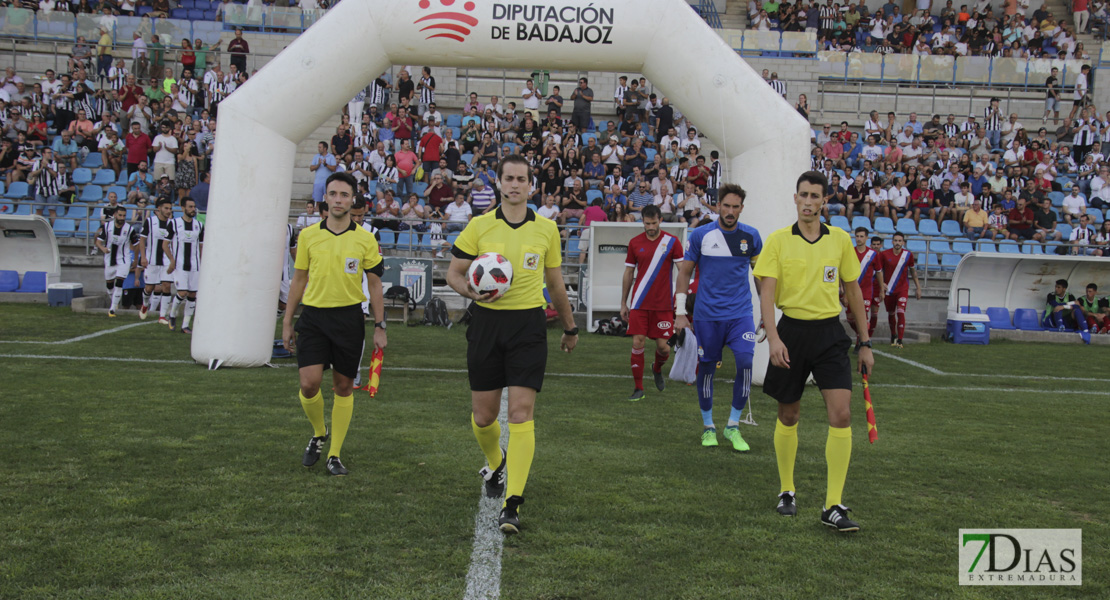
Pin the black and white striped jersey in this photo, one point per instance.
(427, 91)
(154, 231)
(119, 239)
(185, 239)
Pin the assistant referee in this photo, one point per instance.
(507, 338)
(801, 270)
(331, 332)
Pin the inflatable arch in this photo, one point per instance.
(764, 141)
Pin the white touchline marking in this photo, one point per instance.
(989, 389)
(483, 580)
(909, 362)
(82, 337)
(162, 361)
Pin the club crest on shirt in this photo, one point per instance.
(351, 266)
(830, 274)
(531, 261)
(744, 246)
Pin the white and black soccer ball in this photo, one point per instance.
(490, 273)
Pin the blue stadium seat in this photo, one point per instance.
(949, 262)
(196, 15)
(64, 227)
(9, 281)
(928, 227)
(404, 239)
(122, 179)
(93, 161)
(7, 208)
(1000, 317)
(572, 248)
(888, 244)
(592, 195)
(932, 262)
(907, 227)
(1095, 214)
(455, 131)
(34, 282)
(17, 191)
(587, 136)
(987, 247)
(1033, 248)
(1026, 319)
(884, 225)
(951, 229)
(842, 222)
(187, 4)
(143, 10)
(86, 227)
(22, 209)
(121, 192)
(77, 211)
(92, 193)
(649, 153)
(970, 310)
(388, 237)
(858, 222)
(1, 188)
(454, 121)
(467, 158)
(1008, 247)
(917, 246)
(420, 187)
(104, 177)
(179, 13)
(1057, 198)
(509, 148)
(81, 176)
(1064, 229)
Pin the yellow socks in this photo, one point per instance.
(314, 409)
(786, 449)
(522, 446)
(838, 452)
(341, 412)
(489, 440)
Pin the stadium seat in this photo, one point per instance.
(388, 237)
(22, 210)
(1000, 317)
(64, 227)
(93, 161)
(86, 227)
(951, 229)
(420, 187)
(932, 262)
(842, 222)
(92, 193)
(187, 4)
(7, 208)
(858, 222)
(210, 15)
(1033, 248)
(917, 246)
(971, 310)
(77, 211)
(34, 282)
(17, 191)
(572, 249)
(649, 154)
(9, 281)
(82, 176)
(467, 158)
(884, 225)
(1057, 198)
(1095, 214)
(987, 247)
(121, 192)
(928, 227)
(1, 188)
(104, 177)
(1063, 228)
(1026, 319)
(122, 179)
(196, 15)
(592, 195)
(586, 137)
(906, 226)
(454, 121)
(1008, 247)
(179, 13)
(949, 262)
(143, 10)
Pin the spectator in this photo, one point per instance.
(309, 217)
(412, 218)
(140, 184)
(1075, 205)
(199, 193)
(482, 197)
(323, 165)
(458, 214)
(1081, 238)
(976, 220)
(238, 49)
(387, 212)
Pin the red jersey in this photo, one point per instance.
(896, 272)
(870, 265)
(653, 260)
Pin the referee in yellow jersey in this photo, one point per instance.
(801, 270)
(331, 332)
(507, 338)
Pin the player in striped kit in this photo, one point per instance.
(651, 256)
(184, 242)
(871, 272)
(116, 239)
(154, 260)
(286, 276)
(898, 268)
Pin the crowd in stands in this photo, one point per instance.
(1007, 29)
(196, 10)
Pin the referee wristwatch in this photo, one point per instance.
(866, 344)
(380, 324)
(570, 331)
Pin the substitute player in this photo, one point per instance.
(800, 272)
(651, 256)
(723, 252)
(116, 239)
(331, 258)
(1062, 312)
(871, 272)
(1095, 310)
(185, 241)
(898, 269)
(154, 260)
(507, 339)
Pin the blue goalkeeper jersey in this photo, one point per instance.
(723, 259)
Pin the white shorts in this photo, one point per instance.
(154, 275)
(117, 272)
(283, 296)
(185, 281)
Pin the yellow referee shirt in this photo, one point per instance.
(530, 246)
(808, 273)
(335, 262)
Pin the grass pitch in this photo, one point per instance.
(163, 480)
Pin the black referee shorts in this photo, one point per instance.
(333, 337)
(817, 347)
(506, 348)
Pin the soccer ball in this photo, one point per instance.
(490, 273)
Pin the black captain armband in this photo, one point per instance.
(378, 269)
(456, 252)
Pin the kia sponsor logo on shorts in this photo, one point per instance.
(663, 325)
(749, 336)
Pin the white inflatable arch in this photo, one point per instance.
(764, 141)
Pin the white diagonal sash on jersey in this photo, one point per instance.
(865, 264)
(662, 251)
(899, 270)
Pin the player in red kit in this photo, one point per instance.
(878, 290)
(648, 306)
(898, 268)
(871, 272)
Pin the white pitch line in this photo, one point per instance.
(102, 358)
(82, 337)
(909, 362)
(483, 579)
(988, 389)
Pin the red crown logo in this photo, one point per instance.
(446, 24)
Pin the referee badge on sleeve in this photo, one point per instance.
(351, 266)
(830, 274)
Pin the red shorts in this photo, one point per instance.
(848, 308)
(653, 323)
(896, 301)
